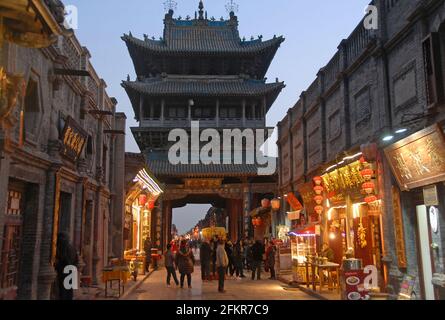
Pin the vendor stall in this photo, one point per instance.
(303, 244)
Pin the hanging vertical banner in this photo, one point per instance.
(293, 202)
(398, 228)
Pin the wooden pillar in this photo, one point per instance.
(246, 207)
(244, 113)
(141, 109)
(217, 113)
(189, 113)
(264, 108)
(47, 274)
(162, 111)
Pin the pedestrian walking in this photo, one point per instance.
(222, 262)
(246, 254)
(170, 265)
(205, 255)
(214, 245)
(66, 255)
(229, 252)
(257, 259)
(270, 259)
(185, 262)
(238, 256)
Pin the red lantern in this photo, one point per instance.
(319, 209)
(370, 199)
(142, 200)
(256, 222)
(318, 199)
(318, 190)
(318, 181)
(367, 174)
(151, 205)
(368, 187)
(276, 204)
(265, 203)
(362, 160)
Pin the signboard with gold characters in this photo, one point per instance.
(74, 138)
(344, 178)
(203, 183)
(418, 160)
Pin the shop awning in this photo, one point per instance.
(301, 232)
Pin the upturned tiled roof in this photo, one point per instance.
(164, 168)
(206, 40)
(203, 87)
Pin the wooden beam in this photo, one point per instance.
(101, 112)
(115, 132)
(72, 72)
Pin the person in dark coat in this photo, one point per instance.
(270, 259)
(327, 252)
(238, 257)
(185, 262)
(257, 259)
(66, 255)
(214, 246)
(229, 252)
(147, 249)
(205, 255)
(170, 266)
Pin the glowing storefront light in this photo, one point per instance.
(148, 183)
(344, 160)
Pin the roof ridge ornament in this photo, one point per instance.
(201, 10)
(170, 5)
(232, 7)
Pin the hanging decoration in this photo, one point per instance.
(276, 204)
(318, 200)
(370, 199)
(319, 209)
(257, 222)
(361, 233)
(367, 174)
(142, 200)
(318, 190)
(318, 181)
(368, 187)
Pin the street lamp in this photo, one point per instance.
(387, 138)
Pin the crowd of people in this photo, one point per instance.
(220, 260)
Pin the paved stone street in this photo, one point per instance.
(154, 288)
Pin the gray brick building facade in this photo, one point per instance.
(62, 148)
(375, 84)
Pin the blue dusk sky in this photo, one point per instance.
(313, 30)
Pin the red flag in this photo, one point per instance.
(293, 201)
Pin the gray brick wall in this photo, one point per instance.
(380, 69)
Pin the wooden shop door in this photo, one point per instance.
(12, 240)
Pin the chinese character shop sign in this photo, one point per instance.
(74, 138)
(418, 160)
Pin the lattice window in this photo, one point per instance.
(14, 199)
(10, 254)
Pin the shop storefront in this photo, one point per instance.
(304, 243)
(140, 219)
(341, 219)
(418, 165)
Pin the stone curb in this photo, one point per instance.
(302, 288)
(136, 286)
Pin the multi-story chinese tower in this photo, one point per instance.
(201, 70)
